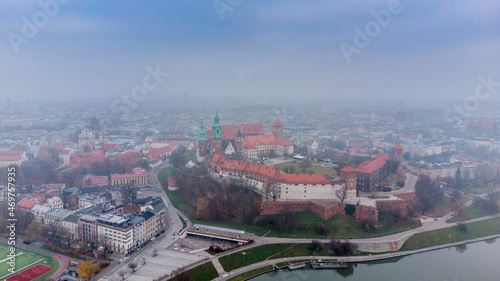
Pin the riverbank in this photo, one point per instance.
(233, 275)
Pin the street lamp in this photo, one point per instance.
(245, 254)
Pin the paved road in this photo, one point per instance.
(411, 181)
(166, 260)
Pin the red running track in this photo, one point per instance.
(30, 273)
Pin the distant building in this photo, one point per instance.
(434, 171)
(86, 137)
(246, 141)
(55, 202)
(138, 177)
(10, 157)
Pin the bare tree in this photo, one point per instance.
(133, 266)
(341, 194)
(121, 273)
(143, 260)
(492, 195)
(272, 190)
(105, 243)
(155, 252)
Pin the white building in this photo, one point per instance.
(39, 212)
(55, 203)
(116, 232)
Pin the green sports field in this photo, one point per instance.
(26, 258)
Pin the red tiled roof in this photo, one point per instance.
(302, 178)
(10, 157)
(136, 172)
(37, 198)
(79, 159)
(26, 203)
(251, 142)
(127, 155)
(277, 124)
(348, 169)
(234, 165)
(370, 166)
(156, 152)
(109, 146)
(252, 129)
(9, 152)
(267, 171)
(229, 132)
(482, 125)
(253, 167)
(397, 146)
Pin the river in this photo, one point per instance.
(475, 261)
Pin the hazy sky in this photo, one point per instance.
(428, 50)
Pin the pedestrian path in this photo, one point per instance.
(218, 267)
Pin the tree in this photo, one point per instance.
(455, 196)
(462, 227)
(490, 206)
(121, 273)
(492, 195)
(345, 248)
(133, 266)
(143, 260)
(341, 194)
(272, 190)
(322, 229)
(177, 157)
(316, 245)
(86, 269)
(428, 193)
(105, 243)
(155, 252)
(200, 210)
(130, 192)
(33, 230)
(459, 207)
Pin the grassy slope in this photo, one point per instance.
(451, 234)
(328, 172)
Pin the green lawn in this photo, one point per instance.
(165, 173)
(190, 157)
(204, 272)
(340, 227)
(272, 251)
(451, 234)
(480, 190)
(25, 259)
(471, 212)
(253, 255)
(328, 172)
(441, 209)
(252, 273)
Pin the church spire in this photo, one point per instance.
(216, 128)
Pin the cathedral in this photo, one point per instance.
(241, 142)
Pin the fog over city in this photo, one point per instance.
(190, 140)
(408, 51)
